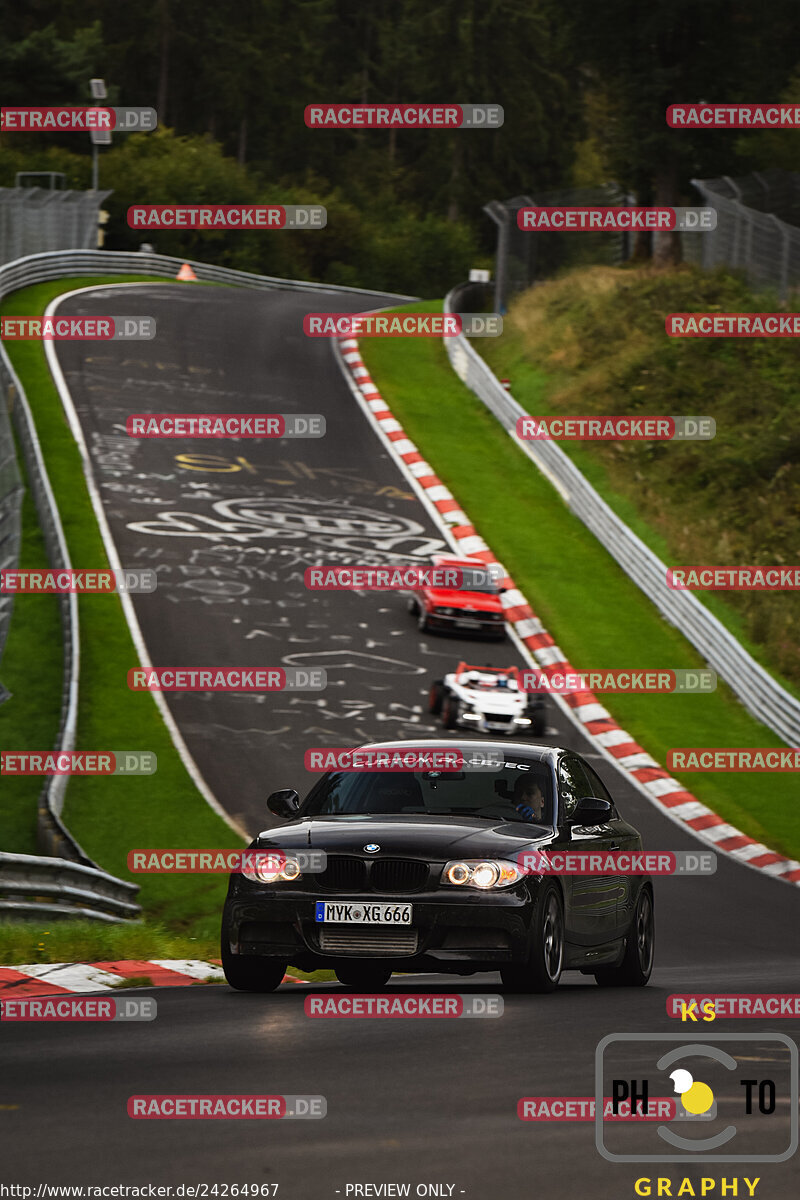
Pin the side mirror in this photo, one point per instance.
(284, 803)
(591, 811)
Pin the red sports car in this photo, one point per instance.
(478, 610)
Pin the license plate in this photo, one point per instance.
(468, 624)
(358, 913)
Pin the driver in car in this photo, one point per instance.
(529, 799)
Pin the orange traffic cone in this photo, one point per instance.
(186, 274)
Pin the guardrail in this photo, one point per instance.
(11, 492)
(760, 694)
(56, 264)
(53, 836)
(53, 887)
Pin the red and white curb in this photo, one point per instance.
(49, 979)
(652, 780)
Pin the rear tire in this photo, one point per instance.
(542, 971)
(637, 963)
(436, 697)
(251, 972)
(363, 975)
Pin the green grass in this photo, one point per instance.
(108, 817)
(31, 669)
(94, 941)
(594, 612)
(593, 343)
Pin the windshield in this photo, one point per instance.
(488, 588)
(518, 791)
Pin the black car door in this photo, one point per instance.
(624, 837)
(592, 898)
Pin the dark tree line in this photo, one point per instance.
(233, 78)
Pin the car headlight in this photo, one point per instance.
(482, 873)
(443, 612)
(269, 868)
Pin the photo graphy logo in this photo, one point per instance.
(737, 1093)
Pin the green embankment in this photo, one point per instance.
(594, 612)
(593, 343)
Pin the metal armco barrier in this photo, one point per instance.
(57, 264)
(760, 694)
(11, 492)
(56, 890)
(53, 887)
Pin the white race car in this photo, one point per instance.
(488, 700)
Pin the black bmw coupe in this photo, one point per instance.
(431, 871)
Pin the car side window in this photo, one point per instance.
(573, 785)
(599, 789)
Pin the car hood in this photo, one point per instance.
(408, 836)
(495, 701)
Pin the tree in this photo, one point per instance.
(646, 57)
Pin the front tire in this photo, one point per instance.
(542, 971)
(363, 975)
(538, 718)
(436, 697)
(251, 972)
(450, 712)
(637, 963)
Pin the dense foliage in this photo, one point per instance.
(584, 89)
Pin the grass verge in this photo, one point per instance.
(31, 669)
(594, 612)
(91, 941)
(592, 342)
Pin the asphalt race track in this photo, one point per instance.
(416, 1101)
